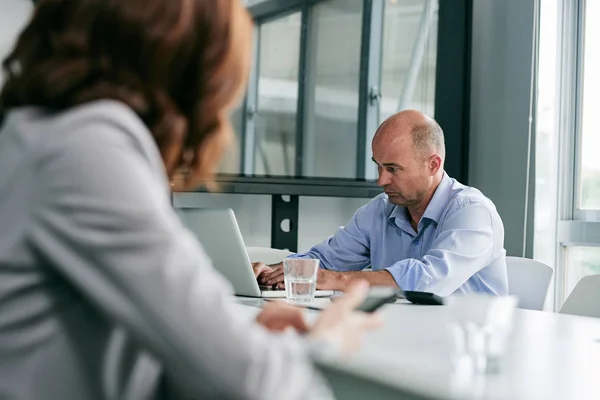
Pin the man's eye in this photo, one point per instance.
(392, 169)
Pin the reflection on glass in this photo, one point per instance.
(275, 132)
(331, 108)
(581, 262)
(589, 196)
(231, 161)
(408, 61)
(331, 84)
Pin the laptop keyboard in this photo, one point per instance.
(264, 288)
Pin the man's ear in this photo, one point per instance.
(434, 163)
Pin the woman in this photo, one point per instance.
(105, 103)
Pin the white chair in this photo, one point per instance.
(529, 280)
(267, 255)
(584, 300)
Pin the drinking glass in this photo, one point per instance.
(300, 276)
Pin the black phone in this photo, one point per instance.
(425, 298)
(378, 296)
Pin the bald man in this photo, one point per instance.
(426, 232)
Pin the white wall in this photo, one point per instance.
(13, 16)
(500, 106)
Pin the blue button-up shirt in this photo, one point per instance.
(458, 248)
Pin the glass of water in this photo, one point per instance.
(300, 276)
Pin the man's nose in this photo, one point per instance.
(383, 178)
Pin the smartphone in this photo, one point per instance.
(378, 296)
(424, 298)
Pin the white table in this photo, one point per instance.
(551, 356)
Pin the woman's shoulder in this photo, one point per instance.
(101, 119)
(100, 126)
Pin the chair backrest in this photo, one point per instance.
(529, 280)
(585, 298)
(267, 255)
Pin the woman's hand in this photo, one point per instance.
(340, 325)
(278, 316)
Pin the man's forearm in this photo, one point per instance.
(334, 280)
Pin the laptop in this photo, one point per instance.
(220, 236)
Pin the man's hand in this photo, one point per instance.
(261, 269)
(326, 280)
(277, 316)
(271, 275)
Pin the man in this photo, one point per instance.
(427, 232)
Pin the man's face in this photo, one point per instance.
(403, 173)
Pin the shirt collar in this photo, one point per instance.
(439, 201)
(434, 209)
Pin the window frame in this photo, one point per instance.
(575, 226)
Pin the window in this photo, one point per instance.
(331, 93)
(409, 56)
(567, 166)
(326, 72)
(275, 132)
(581, 262)
(230, 163)
(589, 166)
(307, 88)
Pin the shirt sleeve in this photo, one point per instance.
(464, 246)
(103, 219)
(349, 248)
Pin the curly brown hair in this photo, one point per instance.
(179, 64)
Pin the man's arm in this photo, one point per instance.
(326, 280)
(334, 280)
(347, 250)
(463, 247)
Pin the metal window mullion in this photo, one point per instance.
(310, 99)
(578, 233)
(273, 9)
(251, 109)
(369, 91)
(300, 105)
(363, 89)
(587, 215)
(578, 213)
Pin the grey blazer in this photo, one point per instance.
(95, 267)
